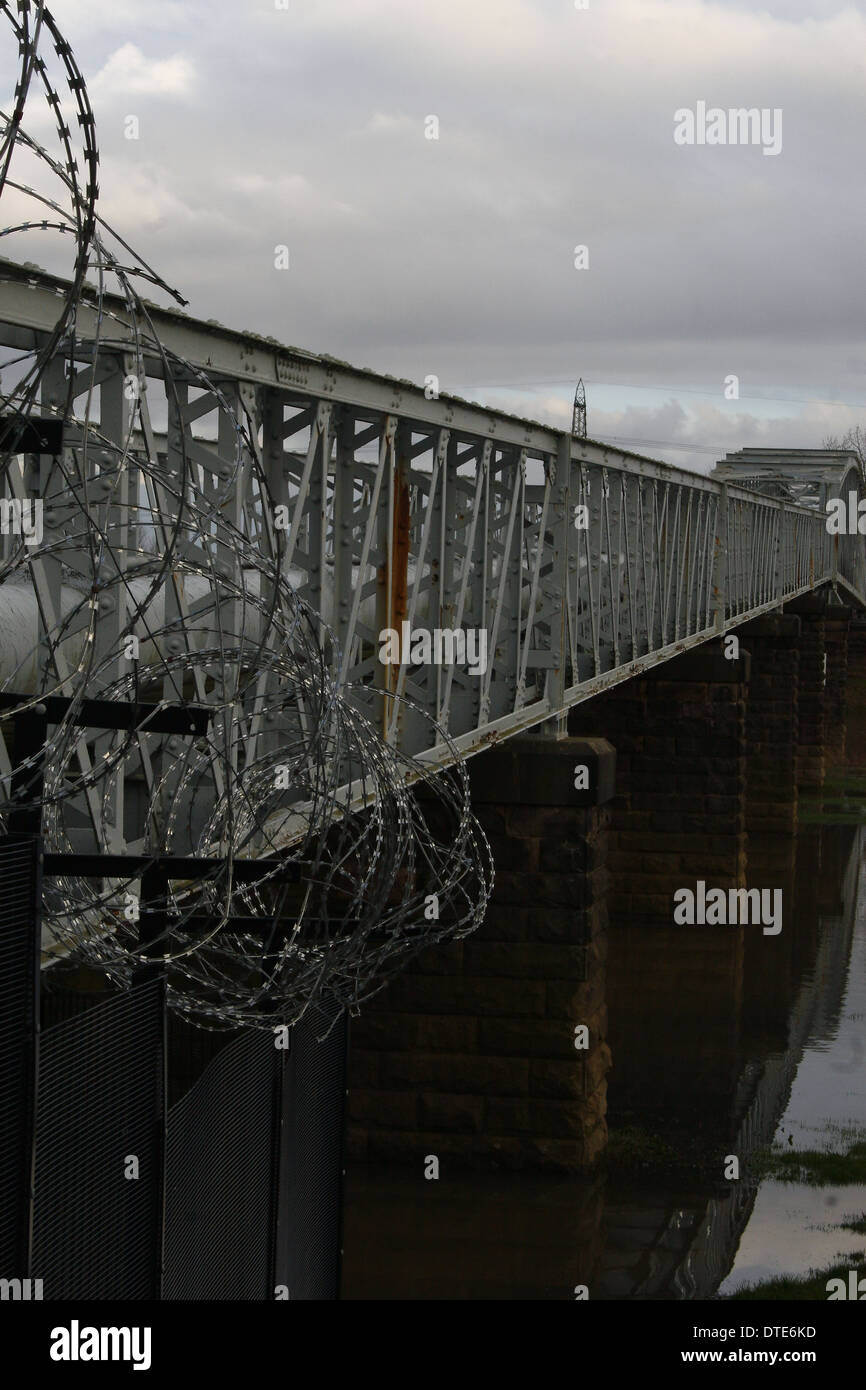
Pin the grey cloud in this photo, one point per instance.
(456, 256)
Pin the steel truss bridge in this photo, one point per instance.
(583, 563)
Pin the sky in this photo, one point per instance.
(308, 126)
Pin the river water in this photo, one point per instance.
(794, 1227)
(711, 1060)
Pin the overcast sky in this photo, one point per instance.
(306, 127)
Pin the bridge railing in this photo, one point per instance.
(561, 565)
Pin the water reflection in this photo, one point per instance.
(796, 1227)
(724, 1042)
(791, 1038)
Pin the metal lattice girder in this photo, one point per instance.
(582, 564)
(809, 477)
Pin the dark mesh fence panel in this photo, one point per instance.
(251, 1149)
(307, 1258)
(190, 1049)
(100, 1100)
(219, 1177)
(65, 996)
(19, 964)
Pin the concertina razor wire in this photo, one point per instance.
(157, 583)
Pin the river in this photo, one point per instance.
(712, 1060)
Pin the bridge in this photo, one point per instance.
(621, 639)
(581, 564)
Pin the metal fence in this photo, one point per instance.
(310, 1166)
(19, 1013)
(98, 1189)
(220, 1191)
(232, 1191)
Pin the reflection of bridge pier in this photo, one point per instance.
(686, 1251)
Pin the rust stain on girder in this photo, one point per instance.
(394, 583)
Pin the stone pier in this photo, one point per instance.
(679, 812)
(472, 1053)
(856, 686)
(678, 817)
(811, 609)
(772, 734)
(837, 624)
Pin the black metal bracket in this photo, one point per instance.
(113, 714)
(34, 435)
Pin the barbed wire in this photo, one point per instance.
(157, 583)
